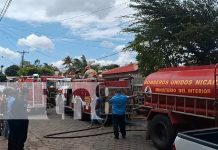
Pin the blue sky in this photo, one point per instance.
(51, 30)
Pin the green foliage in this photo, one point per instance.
(75, 64)
(96, 67)
(37, 63)
(28, 71)
(109, 67)
(3, 78)
(67, 61)
(173, 32)
(12, 70)
(46, 71)
(80, 64)
(27, 63)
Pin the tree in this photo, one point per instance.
(2, 68)
(29, 71)
(109, 67)
(173, 32)
(27, 63)
(12, 70)
(3, 78)
(46, 71)
(80, 64)
(37, 63)
(67, 62)
(50, 66)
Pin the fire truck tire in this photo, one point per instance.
(162, 132)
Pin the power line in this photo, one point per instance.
(66, 38)
(93, 12)
(5, 8)
(9, 60)
(77, 43)
(109, 55)
(13, 36)
(49, 56)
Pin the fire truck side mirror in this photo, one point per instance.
(106, 90)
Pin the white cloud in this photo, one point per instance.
(58, 64)
(119, 48)
(93, 18)
(107, 44)
(101, 33)
(124, 57)
(36, 42)
(5, 52)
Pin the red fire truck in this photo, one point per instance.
(178, 99)
(40, 89)
(86, 90)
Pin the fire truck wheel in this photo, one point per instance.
(162, 132)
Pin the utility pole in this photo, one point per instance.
(22, 56)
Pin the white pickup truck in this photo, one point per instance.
(206, 139)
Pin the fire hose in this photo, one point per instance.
(54, 135)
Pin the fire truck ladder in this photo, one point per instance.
(216, 94)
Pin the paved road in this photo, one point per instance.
(39, 128)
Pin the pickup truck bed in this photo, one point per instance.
(206, 139)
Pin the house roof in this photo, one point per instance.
(124, 69)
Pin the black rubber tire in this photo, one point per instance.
(162, 132)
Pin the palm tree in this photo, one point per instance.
(37, 63)
(80, 64)
(67, 62)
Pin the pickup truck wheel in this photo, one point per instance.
(162, 132)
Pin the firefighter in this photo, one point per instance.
(89, 72)
(119, 102)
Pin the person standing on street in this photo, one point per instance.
(18, 123)
(8, 101)
(119, 102)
